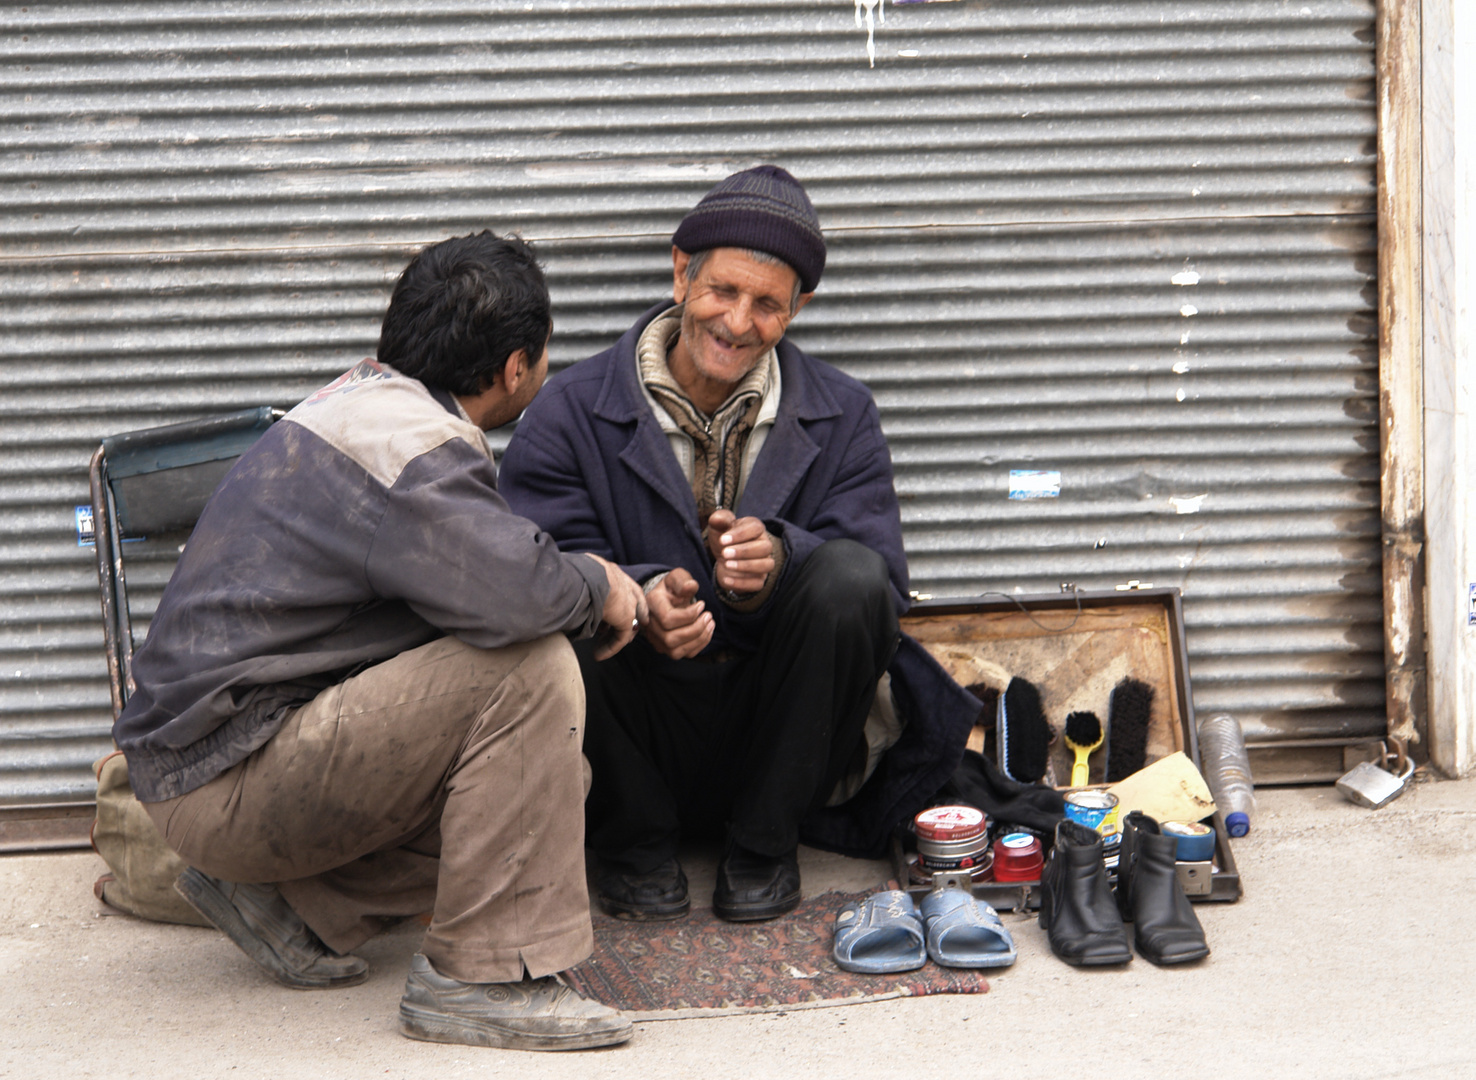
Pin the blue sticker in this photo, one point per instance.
(1471, 605)
(85, 535)
(1034, 484)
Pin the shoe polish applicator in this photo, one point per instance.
(1127, 716)
(1021, 733)
(1083, 734)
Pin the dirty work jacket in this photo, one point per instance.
(590, 464)
(363, 523)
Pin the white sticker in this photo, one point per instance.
(86, 537)
(1034, 484)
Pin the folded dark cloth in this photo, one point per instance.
(978, 782)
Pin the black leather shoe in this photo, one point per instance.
(1076, 904)
(655, 896)
(1165, 928)
(751, 887)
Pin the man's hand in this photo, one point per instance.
(742, 550)
(679, 626)
(625, 611)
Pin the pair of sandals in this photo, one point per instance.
(887, 932)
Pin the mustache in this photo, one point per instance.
(716, 328)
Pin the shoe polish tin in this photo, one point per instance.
(951, 838)
(1096, 810)
(1017, 857)
(1196, 842)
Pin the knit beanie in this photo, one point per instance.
(764, 209)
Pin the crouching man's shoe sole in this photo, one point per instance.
(535, 1014)
(265, 927)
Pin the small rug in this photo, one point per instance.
(701, 965)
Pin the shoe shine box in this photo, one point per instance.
(1075, 647)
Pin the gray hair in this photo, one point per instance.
(694, 264)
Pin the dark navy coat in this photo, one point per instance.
(590, 464)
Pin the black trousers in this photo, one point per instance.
(745, 746)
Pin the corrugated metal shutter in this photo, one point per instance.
(204, 205)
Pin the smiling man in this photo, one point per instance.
(748, 487)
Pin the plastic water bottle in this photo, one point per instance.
(1227, 770)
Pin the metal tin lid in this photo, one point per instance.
(1186, 828)
(949, 823)
(1092, 799)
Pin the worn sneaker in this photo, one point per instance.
(535, 1014)
(261, 922)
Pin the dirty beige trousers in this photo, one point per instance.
(447, 779)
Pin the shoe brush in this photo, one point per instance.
(1127, 716)
(1023, 737)
(1083, 735)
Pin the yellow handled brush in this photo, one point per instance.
(1083, 734)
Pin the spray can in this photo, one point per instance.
(1227, 771)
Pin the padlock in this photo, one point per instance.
(1368, 785)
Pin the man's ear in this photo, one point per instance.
(679, 282)
(514, 371)
(804, 298)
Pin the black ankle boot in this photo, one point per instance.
(1165, 928)
(1076, 905)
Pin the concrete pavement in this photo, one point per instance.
(1352, 955)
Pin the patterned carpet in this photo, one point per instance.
(703, 963)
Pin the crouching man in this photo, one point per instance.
(358, 701)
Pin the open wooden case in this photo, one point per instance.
(1075, 647)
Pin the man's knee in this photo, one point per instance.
(552, 668)
(844, 573)
(532, 677)
(554, 657)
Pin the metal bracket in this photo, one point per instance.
(953, 879)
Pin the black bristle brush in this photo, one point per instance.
(1127, 716)
(1022, 734)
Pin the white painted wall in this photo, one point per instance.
(1449, 203)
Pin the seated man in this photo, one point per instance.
(749, 488)
(357, 701)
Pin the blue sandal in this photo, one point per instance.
(880, 935)
(964, 932)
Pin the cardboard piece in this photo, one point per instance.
(1171, 789)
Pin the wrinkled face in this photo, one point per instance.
(737, 309)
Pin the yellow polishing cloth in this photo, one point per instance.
(1171, 789)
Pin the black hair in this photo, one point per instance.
(461, 308)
